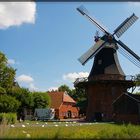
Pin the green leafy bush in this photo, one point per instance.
(8, 104)
(8, 118)
(2, 91)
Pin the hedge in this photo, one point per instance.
(8, 118)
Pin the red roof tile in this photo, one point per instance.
(67, 98)
(57, 98)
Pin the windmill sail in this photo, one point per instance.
(125, 25)
(129, 56)
(91, 52)
(84, 12)
(133, 57)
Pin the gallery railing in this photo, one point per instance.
(105, 77)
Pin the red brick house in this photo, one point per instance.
(64, 105)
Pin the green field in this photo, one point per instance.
(69, 130)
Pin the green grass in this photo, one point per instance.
(98, 131)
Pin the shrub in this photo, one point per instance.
(2, 91)
(8, 104)
(8, 118)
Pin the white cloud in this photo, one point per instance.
(72, 76)
(16, 13)
(11, 61)
(24, 79)
(28, 82)
(137, 4)
(53, 88)
(32, 87)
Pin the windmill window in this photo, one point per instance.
(99, 62)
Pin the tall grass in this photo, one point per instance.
(119, 131)
(97, 131)
(4, 129)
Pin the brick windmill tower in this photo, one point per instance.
(106, 80)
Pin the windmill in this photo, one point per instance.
(106, 80)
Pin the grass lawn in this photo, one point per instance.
(69, 130)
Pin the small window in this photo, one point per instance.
(99, 62)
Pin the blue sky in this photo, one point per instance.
(44, 48)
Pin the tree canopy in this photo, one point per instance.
(8, 104)
(64, 88)
(41, 100)
(23, 95)
(138, 79)
(7, 73)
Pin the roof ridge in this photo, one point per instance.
(129, 94)
(68, 98)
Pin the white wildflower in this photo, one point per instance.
(28, 135)
(23, 125)
(24, 132)
(12, 125)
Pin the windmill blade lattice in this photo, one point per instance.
(91, 52)
(82, 10)
(129, 54)
(125, 25)
(85, 12)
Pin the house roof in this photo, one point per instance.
(67, 98)
(57, 98)
(134, 97)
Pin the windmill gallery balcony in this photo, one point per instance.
(104, 78)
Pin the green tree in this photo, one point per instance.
(138, 79)
(8, 78)
(64, 88)
(3, 60)
(41, 100)
(24, 96)
(78, 94)
(7, 73)
(2, 91)
(81, 98)
(8, 104)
